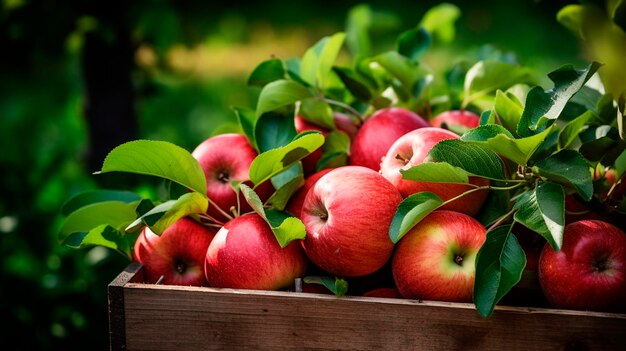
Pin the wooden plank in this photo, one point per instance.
(188, 318)
(117, 328)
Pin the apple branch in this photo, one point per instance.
(345, 106)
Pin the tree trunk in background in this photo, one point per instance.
(107, 65)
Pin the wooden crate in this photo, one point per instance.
(159, 317)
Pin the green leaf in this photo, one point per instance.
(407, 73)
(620, 165)
(285, 227)
(317, 112)
(267, 72)
(567, 167)
(358, 86)
(274, 161)
(499, 266)
(280, 93)
(500, 140)
(473, 158)
(335, 150)
(286, 183)
(436, 172)
(247, 119)
(116, 214)
(93, 196)
(485, 77)
(337, 286)
(359, 21)
(549, 104)
(103, 235)
(410, 212)
(508, 109)
(159, 159)
(439, 21)
(317, 61)
(495, 206)
(414, 43)
(570, 131)
(274, 130)
(165, 214)
(542, 210)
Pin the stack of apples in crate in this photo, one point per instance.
(385, 178)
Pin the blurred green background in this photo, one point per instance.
(78, 78)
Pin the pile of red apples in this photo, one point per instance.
(347, 212)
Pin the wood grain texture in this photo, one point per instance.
(187, 318)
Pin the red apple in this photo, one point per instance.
(435, 260)
(410, 150)
(177, 254)
(378, 132)
(225, 158)
(294, 206)
(589, 272)
(347, 215)
(455, 119)
(343, 123)
(245, 255)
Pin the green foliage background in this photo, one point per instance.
(191, 62)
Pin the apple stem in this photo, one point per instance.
(224, 213)
(403, 159)
(160, 280)
(609, 194)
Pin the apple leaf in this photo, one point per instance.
(117, 214)
(93, 196)
(508, 109)
(274, 130)
(487, 76)
(542, 105)
(407, 73)
(500, 140)
(318, 112)
(165, 214)
(499, 266)
(495, 206)
(414, 43)
(573, 128)
(620, 165)
(272, 162)
(285, 227)
(410, 212)
(542, 210)
(337, 286)
(286, 183)
(356, 85)
(280, 93)
(267, 72)
(318, 61)
(473, 158)
(247, 119)
(439, 21)
(103, 235)
(436, 172)
(335, 150)
(157, 158)
(567, 167)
